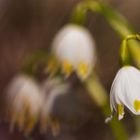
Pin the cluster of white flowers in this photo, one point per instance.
(125, 91)
(29, 102)
(74, 49)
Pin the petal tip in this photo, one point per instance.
(108, 119)
(120, 117)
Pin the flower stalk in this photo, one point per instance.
(123, 29)
(115, 20)
(99, 95)
(125, 56)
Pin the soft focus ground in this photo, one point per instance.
(28, 25)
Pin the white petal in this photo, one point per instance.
(52, 89)
(133, 88)
(108, 119)
(120, 117)
(74, 44)
(125, 89)
(23, 89)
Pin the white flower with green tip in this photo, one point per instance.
(24, 101)
(74, 48)
(125, 91)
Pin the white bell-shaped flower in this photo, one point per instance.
(24, 101)
(53, 88)
(74, 48)
(125, 91)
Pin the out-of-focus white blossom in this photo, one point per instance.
(24, 101)
(134, 137)
(74, 48)
(52, 89)
(125, 91)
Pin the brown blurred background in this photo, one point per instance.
(28, 25)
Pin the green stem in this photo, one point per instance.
(125, 56)
(30, 63)
(137, 124)
(120, 25)
(99, 95)
(116, 21)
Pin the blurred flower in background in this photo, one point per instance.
(74, 47)
(29, 103)
(24, 101)
(52, 89)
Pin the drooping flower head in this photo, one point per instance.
(74, 48)
(24, 102)
(52, 89)
(125, 91)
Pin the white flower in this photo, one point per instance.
(74, 48)
(125, 91)
(134, 137)
(24, 101)
(53, 88)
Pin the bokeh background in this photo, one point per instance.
(28, 25)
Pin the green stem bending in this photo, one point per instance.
(99, 95)
(125, 56)
(116, 21)
(120, 25)
(123, 29)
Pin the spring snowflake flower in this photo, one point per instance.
(125, 91)
(24, 102)
(74, 48)
(53, 88)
